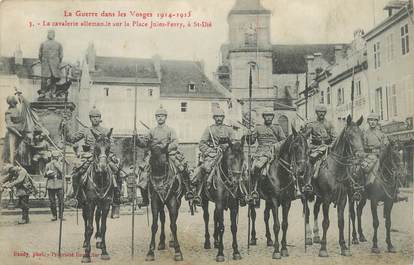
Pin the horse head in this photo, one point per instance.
(233, 157)
(391, 155)
(102, 150)
(350, 141)
(158, 160)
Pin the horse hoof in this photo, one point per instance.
(346, 252)
(375, 250)
(98, 245)
(171, 244)
(150, 257)
(276, 255)
(285, 253)
(323, 254)
(392, 249)
(216, 244)
(178, 256)
(105, 257)
(269, 243)
(237, 256)
(220, 259)
(161, 246)
(86, 259)
(207, 245)
(308, 241)
(362, 239)
(316, 240)
(253, 242)
(355, 241)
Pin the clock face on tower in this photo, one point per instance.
(250, 34)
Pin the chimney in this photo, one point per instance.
(309, 62)
(339, 54)
(18, 56)
(156, 59)
(91, 57)
(394, 5)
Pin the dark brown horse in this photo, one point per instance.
(223, 192)
(97, 189)
(336, 180)
(384, 189)
(286, 173)
(165, 189)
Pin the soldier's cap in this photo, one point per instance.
(94, 112)
(11, 100)
(7, 168)
(373, 116)
(218, 112)
(268, 111)
(161, 111)
(320, 108)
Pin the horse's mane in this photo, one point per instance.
(388, 154)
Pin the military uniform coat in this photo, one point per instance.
(22, 183)
(50, 55)
(374, 140)
(215, 135)
(266, 136)
(54, 175)
(321, 132)
(161, 135)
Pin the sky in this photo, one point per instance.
(293, 22)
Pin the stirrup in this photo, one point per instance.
(254, 195)
(197, 200)
(189, 195)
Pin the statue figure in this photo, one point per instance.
(50, 56)
(14, 124)
(41, 152)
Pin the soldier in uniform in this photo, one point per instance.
(164, 137)
(87, 156)
(374, 143)
(14, 123)
(54, 184)
(269, 137)
(322, 135)
(214, 142)
(50, 56)
(41, 152)
(19, 178)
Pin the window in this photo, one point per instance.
(184, 106)
(322, 100)
(106, 91)
(340, 97)
(328, 95)
(358, 89)
(377, 55)
(379, 108)
(393, 101)
(405, 43)
(191, 87)
(390, 47)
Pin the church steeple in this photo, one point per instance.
(248, 7)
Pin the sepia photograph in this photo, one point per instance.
(205, 132)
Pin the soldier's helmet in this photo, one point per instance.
(94, 112)
(218, 112)
(268, 111)
(161, 111)
(373, 116)
(6, 169)
(11, 100)
(55, 153)
(320, 108)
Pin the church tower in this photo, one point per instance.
(249, 41)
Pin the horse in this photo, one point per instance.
(165, 189)
(97, 190)
(337, 180)
(286, 173)
(224, 191)
(383, 188)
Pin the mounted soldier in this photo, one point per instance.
(18, 178)
(374, 143)
(269, 137)
(322, 135)
(214, 141)
(164, 137)
(87, 134)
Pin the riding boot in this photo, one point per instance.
(115, 211)
(197, 198)
(189, 195)
(145, 199)
(54, 213)
(22, 219)
(398, 197)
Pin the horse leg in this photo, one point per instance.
(220, 230)
(88, 232)
(316, 209)
(352, 215)
(375, 224)
(388, 204)
(85, 222)
(266, 215)
(216, 230)
(173, 209)
(98, 233)
(206, 217)
(341, 225)
(325, 225)
(161, 245)
(360, 207)
(276, 229)
(233, 218)
(308, 235)
(285, 215)
(253, 239)
(155, 209)
(104, 217)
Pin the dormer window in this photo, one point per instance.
(191, 87)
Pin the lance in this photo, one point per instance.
(63, 186)
(134, 139)
(351, 202)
